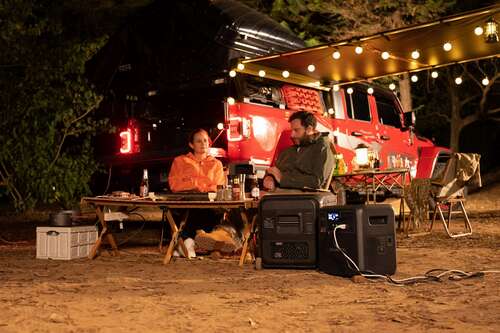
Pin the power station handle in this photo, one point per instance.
(354, 133)
(385, 137)
(52, 233)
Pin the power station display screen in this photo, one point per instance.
(333, 216)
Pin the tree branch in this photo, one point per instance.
(469, 120)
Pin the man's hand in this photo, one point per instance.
(275, 172)
(268, 183)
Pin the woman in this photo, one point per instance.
(196, 171)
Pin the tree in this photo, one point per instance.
(46, 104)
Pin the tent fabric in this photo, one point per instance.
(428, 39)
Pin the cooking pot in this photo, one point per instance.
(61, 219)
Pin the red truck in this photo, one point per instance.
(167, 73)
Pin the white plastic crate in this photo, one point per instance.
(64, 243)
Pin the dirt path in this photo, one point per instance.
(136, 293)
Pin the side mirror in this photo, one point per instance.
(409, 119)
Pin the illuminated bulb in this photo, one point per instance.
(241, 67)
(392, 86)
(447, 46)
(220, 126)
(370, 90)
(331, 111)
(285, 74)
(478, 31)
(262, 73)
(434, 74)
(485, 81)
(230, 101)
(232, 73)
(414, 78)
(336, 55)
(358, 50)
(336, 87)
(415, 54)
(350, 91)
(458, 80)
(385, 55)
(311, 68)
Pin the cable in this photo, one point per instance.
(109, 181)
(136, 232)
(451, 274)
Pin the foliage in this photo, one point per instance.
(46, 105)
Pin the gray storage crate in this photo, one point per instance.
(64, 243)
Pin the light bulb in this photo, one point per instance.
(241, 67)
(415, 54)
(414, 78)
(350, 90)
(478, 31)
(262, 73)
(230, 101)
(336, 55)
(485, 81)
(311, 68)
(447, 46)
(369, 90)
(336, 87)
(434, 74)
(385, 55)
(458, 80)
(358, 50)
(232, 73)
(220, 126)
(392, 86)
(285, 74)
(331, 111)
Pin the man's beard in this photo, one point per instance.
(299, 141)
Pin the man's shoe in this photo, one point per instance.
(217, 240)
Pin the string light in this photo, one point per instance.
(392, 86)
(458, 80)
(485, 81)
(230, 101)
(358, 50)
(336, 55)
(232, 73)
(385, 55)
(350, 90)
(414, 78)
(415, 54)
(447, 46)
(331, 111)
(285, 74)
(262, 73)
(241, 67)
(369, 90)
(478, 31)
(311, 68)
(336, 87)
(434, 74)
(220, 126)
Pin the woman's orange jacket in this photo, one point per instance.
(190, 174)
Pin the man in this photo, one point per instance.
(308, 163)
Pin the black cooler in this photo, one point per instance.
(288, 228)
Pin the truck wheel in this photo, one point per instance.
(258, 263)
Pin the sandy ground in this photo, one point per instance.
(135, 292)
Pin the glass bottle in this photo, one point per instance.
(236, 189)
(144, 188)
(254, 191)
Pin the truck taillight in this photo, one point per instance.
(126, 141)
(239, 129)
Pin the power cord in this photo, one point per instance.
(437, 274)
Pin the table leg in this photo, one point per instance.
(105, 232)
(175, 236)
(247, 235)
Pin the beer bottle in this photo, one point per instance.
(254, 190)
(236, 189)
(144, 188)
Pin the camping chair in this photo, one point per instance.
(447, 191)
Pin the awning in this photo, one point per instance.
(316, 66)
